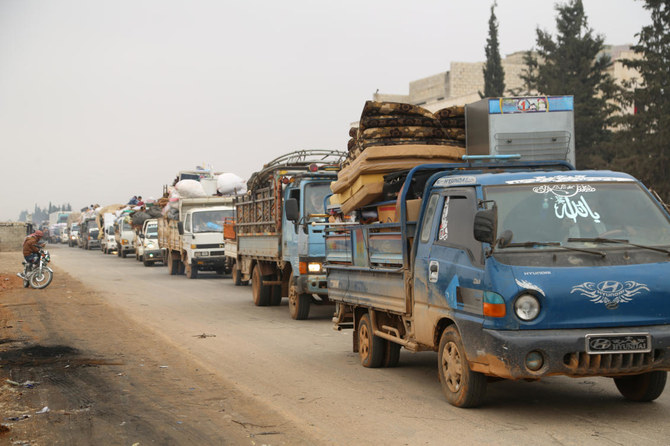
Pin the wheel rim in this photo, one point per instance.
(452, 367)
(364, 341)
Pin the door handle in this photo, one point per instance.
(433, 271)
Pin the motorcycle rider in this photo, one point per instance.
(31, 247)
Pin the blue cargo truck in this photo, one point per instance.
(514, 270)
(274, 245)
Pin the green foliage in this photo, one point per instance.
(645, 134)
(494, 75)
(572, 63)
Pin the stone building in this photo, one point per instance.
(464, 80)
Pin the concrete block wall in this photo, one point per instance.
(12, 236)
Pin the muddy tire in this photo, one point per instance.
(260, 292)
(370, 347)
(298, 304)
(173, 265)
(191, 270)
(461, 386)
(148, 263)
(275, 295)
(642, 388)
(237, 276)
(123, 254)
(181, 267)
(391, 354)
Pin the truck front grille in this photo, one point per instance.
(582, 363)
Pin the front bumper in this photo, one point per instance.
(503, 353)
(208, 261)
(313, 284)
(153, 254)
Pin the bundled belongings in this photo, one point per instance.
(394, 137)
(395, 123)
(190, 189)
(230, 184)
(362, 181)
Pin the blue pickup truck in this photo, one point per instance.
(514, 270)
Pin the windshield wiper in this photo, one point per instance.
(616, 240)
(557, 244)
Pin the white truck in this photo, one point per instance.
(108, 241)
(194, 242)
(124, 234)
(147, 249)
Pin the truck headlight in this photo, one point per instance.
(150, 245)
(201, 254)
(526, 307)
(314, 267)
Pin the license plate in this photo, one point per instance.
(618, 343)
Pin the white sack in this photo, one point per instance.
(190, 189)
(230, 184)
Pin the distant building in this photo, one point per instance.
(464, 80)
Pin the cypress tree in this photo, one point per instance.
(494, 75)
(573, 64)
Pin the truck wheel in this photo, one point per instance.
(276, 297)
(391, 354)
(298, 304)
(191, 270)
(148, 263)
(123, 254)
(370, 347)
(261, 293)
(461, 386)
(237, 276)
(118, 252)
(173, 267)
(642, 388)
(181, 267)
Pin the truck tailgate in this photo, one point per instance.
(258, 245)
(382, 289)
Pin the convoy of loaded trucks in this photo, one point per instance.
(467, 232)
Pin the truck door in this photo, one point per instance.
(290, 232)
(449, 267)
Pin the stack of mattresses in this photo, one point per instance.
(395, 123)
(392, 137)
(362, 182)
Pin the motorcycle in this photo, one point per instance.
(38, 276)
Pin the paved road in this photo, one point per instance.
(307, 371)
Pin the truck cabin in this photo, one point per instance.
(207, 220)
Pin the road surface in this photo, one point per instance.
(306, 372)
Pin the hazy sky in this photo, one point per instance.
(100, 101)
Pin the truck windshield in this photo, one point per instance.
(314, 196)
(557, 212)
(152, 231)
(210, 221)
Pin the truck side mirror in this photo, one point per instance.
(485, 226)
(180, 227)
(291, 210)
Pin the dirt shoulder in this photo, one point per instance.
(73, 370)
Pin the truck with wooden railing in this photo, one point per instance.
(273, 244)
